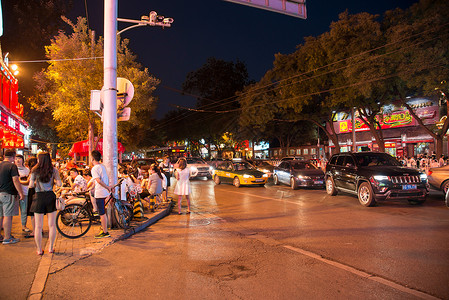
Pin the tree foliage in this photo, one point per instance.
(64, 86)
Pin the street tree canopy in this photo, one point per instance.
(64, 86)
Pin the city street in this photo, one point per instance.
(272, 243)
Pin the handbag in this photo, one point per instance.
(60, 203)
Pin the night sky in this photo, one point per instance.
(215, 28)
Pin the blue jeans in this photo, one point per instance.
(23, 210)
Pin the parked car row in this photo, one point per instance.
(371, 176)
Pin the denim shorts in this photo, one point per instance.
(9, 205)
(100, 206)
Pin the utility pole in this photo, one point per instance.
(110, 90)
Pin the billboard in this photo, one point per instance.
(294, 8)
(392, 116)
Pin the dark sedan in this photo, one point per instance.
(298, 174)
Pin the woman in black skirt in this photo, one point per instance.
(43, 178)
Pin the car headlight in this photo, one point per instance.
(303, 177)
(266, 171)
(211, 168)
(193, 169)
(247, 176)
(423, 177)
(265, 175)
(381, 177)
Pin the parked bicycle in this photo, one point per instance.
(77, 217)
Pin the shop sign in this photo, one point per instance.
(392, 117)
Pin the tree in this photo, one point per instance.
(35, 22)
(216, 84)
(420, 45)
(64, 87)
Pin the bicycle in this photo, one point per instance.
(77, 218)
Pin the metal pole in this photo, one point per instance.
(110, 90)
(354, 146)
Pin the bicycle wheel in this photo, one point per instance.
(74, 221)
(121, 214)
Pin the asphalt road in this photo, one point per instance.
(273, 243)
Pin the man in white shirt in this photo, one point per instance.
(102, 190)
(77, 182)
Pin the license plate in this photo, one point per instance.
(318, 182)
(409, 187)
(259, 180)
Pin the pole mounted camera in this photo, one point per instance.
(153, 19)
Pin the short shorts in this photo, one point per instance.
(100, 206)
(9, 205)
(44, 202)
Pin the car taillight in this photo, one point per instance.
(429, 173)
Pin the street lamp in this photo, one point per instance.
(153, 19)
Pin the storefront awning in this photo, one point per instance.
(82, 148)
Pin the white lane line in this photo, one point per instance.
(350, 269)
(362, 274)
(264, 197)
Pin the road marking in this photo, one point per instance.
(363, 274)
(264, 197)
(272, 242)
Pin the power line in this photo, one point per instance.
(314, 70)
(55, 60)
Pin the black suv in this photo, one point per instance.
(374, 176)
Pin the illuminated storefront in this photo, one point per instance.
(14, 133)
(402, 134)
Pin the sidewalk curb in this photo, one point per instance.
(40, 279)
(145, 224)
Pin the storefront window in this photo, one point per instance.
(391, 151)
(422, 148)
(305, 151)
(313, 151)
(275, 152)
(298, 151)
(292, 151)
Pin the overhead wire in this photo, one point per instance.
(197, 110)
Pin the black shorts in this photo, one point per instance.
(31, 193)
(44, 202)
(100, 206)
(167, 175)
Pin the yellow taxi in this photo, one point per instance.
(239, 173)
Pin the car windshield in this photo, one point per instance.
(302, 166)
(144, 162)
(367, 160)
(242, 166)
(195, 161)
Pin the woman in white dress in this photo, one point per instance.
(183, 183)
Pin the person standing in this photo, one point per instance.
(30, 163)
(43, 177)
(183, 183)
(102, 190)
(155, 184)
(165, 168)
(10, 187)
(23, 177)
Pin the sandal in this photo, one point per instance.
(40, 253)
(51, 251)
(29, 236)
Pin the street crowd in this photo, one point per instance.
(34, 186)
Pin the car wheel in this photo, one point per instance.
(330, 187)
(275, 179)
(217, 180)
(293, 184)
(236, 182)
(447, 199)
(445, 186)
(365, 194)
